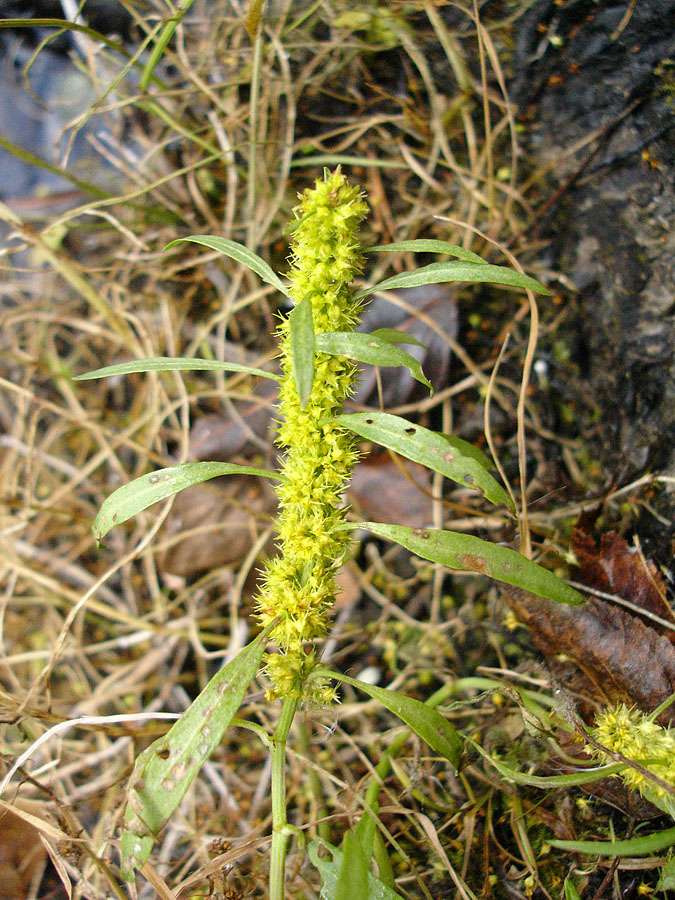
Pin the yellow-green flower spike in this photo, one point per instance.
(634, 735)
(299, 584)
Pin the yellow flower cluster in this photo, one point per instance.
(633, 734)
(298, 584)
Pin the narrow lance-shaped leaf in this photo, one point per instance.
(422, 719)
(571, 893)
(240, 254)
(438, 273)
(370, 348)
(173, 364)
(132, 498)
(329, 868)
(163, 773)
(639, 846)
(352, 878)
(588, 776)
(464, 551)
(394, 336)
(428, 448)
(468, 450)
(301, 327)
(429, 246)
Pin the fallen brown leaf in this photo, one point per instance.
(619, 655)
(219, 523)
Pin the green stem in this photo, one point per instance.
(280, 830)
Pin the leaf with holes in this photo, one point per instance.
(139, 494)
(448, 456)
(240, 254)
(173, 364)
(464, 551)
(370, 348)
(163, 773)
(457, 270)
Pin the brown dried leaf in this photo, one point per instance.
(619, 655)
(623, 659)
(21, 853)
(616, 568)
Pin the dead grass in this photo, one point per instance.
(96, 642)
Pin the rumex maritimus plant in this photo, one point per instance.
(317, 347)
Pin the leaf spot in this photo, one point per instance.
(421, 533)
(168, 784)
(368, 421)
(469, 479)
(474, 563)
(448, 457)
(163, 752)
(156, 477)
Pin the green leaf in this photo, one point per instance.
(352, 878)
(667, 877)
(571, 893)
(173, 364)
(469, 450)
(365, 832)
(430, 246)
(394, 336)
(438, 273)
(381, 857)
(430, 449)
(588, 776)
(163, 773)
(302, 349)
(142, 492)
(369, 348)
(641, 846)
(240, 253)
(329, 869)
(422, 719)
(464, 551)
(162, 43)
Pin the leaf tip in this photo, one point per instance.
(135, 850)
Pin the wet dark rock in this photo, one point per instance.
(606, 72)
